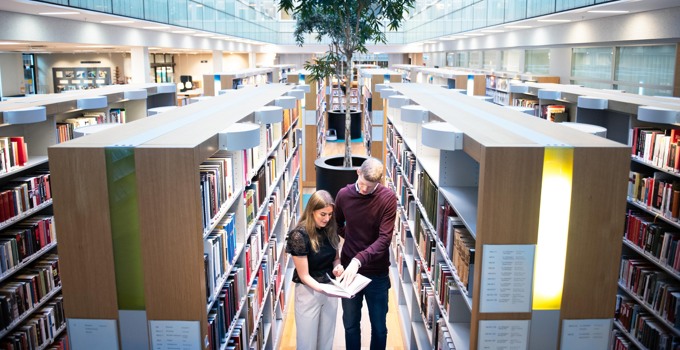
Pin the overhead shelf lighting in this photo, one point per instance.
(518, 27)
(182, 31)
(157, 27)
(493, 31)
(473, 34)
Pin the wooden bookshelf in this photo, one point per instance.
(494, 181)
(163, 154)
(232, 79)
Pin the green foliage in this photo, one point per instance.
(348, 25)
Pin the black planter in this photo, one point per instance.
(336, 120)
(332, 176)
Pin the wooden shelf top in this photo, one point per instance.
(491, 125)
(195, 122)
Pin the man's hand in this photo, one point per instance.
(350, 272)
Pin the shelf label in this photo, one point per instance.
(507, 335)
(507, 273)
(93, 334)
(175, 335)
(585, 334)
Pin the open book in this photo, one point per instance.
(340, 290)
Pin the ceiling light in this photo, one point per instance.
(429, 42)
(156, 27)
(608, 11)
(59, 13)
(518, 27)
(117, 22)
(182, 31)
(493, 31)
(11, 43)
(473, 34)
(203, 34)
(555, 20)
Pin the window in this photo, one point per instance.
(537, 61)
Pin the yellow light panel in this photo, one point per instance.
(553, 228)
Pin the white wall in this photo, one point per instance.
(197, 65)
(45, 63)
(11, 74)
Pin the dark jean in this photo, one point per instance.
(376, 294)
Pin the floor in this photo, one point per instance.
(395, 337)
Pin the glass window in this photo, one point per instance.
(649, 65)
(491, 59)
(475, 59)
(495, 11)
(177, 10)
(95, 5)
(641, 90)
(537, 61)
(480, 14)
(539, 7)
(128, 8)
(156, 10)
(592, 62)
(562, 5)
(195, 15)
(209, 19)
(450, 59)
(515, 10)
(593, 84)
(511, 60)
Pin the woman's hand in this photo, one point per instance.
(338, 270)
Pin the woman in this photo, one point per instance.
(313, 243)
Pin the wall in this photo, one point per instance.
(197, 65)
(45, 63)
(11, 74)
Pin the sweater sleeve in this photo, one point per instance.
(339, 214)
(381, 245)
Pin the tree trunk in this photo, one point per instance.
(348, 119)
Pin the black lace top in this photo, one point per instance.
(319, 263)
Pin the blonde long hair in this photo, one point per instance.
(319, 200)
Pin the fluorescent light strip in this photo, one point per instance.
(608, 11)
(58, 13)
(182, 31)
(555, 20)
(493, 31)
(117, 22)
(157, 27)
(518, 27)
(12, 43)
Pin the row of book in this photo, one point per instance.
(66, 127)
(46, 327)
(444, 340)
(219, 253)
(554, 113)
(654, 238)
(23, 194)
(653, 287)
(659, 192)
(24, 240)
(641, 326)
(20, 295)
(527, 103)
(657, 147)
(13, 153)
(226, 308)
(217, 185)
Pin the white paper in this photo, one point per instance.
(93, 334)
(175, 335)
(506, 335)
(585, 334)
(63, 81)
(507, 274)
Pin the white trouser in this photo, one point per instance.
(315, 315)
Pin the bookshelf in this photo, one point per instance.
(372, 101)
(499, 86)
(234, 79)
(313, 111)
(159, 245)
(451, 159)
(27, 228)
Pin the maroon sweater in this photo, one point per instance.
(366, 222)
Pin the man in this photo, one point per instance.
(365, 212)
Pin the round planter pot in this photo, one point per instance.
(336, 120)
(332, 176)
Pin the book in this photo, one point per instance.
(341, 290)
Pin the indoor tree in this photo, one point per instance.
(347, 25)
